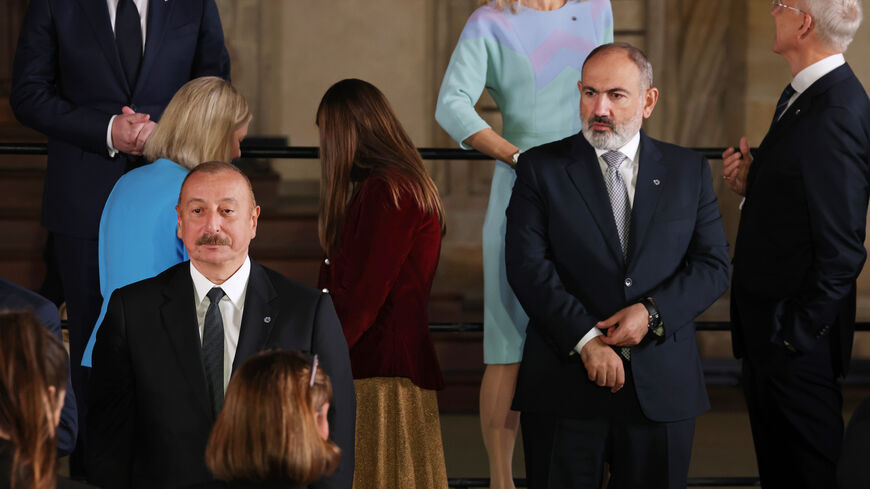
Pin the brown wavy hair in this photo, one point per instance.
(199, 122)
(361, 136)
(31, 361)
(267, 429)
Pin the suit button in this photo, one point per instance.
(326, 261)
(325, 291)
(628, 282)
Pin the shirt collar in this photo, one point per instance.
(234, 287)
(629, 149)
(813, 72)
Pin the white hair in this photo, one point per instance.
(836, 20)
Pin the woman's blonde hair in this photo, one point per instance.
(199, 122)
(360, 135)
(267, 430)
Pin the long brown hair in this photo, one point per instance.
(267, 430)
(360, 135)
(31, 361)
(199, 122)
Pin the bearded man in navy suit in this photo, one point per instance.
(94, 76)
(800, 246)
(614, 246)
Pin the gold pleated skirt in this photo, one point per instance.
(398, 436)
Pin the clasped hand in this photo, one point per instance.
(625, 328)
(130, 131)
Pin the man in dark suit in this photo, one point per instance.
(81, 69)
(166, 350)
(13, 297)
(614, 246)
(800, 246)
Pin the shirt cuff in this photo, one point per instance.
(586, 339)
(109, 145)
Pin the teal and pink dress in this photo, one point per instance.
(530, 62)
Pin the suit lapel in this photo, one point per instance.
(801, 105)
(260, 314)
(179, 320)
(651, 179)
(98, 16)
(585, 174)
(158, 17)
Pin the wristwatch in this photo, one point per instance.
(655, 319)
(516, 157)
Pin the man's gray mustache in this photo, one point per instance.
(213, 239)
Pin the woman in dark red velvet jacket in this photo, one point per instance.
(381, 223)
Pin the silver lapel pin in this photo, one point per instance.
(267, 319)
(656, 181)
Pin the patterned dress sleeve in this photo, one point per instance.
(463, 84)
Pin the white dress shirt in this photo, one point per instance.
(811, 74)
(142, 7)
(628, 170)
(231, 306)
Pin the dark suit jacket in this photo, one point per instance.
(15, 297)
(68, 82)
(565, 264)
(150, 414)
(800, 245)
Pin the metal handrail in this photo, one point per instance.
(477, 327)
(311, 152)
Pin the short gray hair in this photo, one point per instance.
(635, 54)
(836, 20)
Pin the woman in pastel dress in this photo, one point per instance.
(528, 54)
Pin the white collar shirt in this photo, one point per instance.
(232, 305)
(141, 6)
(812, 73)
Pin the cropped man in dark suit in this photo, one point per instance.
(81, 69)
(800, 246)
(166, 350)
(614, 246)
(13, 297)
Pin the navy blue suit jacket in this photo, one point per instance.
(68, 83)
(565, 264)
(149, 413)
(800, 245)
(15, 297)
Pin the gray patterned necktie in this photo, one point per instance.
(618, 196)
(619, 202)
(213, 349)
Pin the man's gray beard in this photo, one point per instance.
(616, 137)
(607, 140)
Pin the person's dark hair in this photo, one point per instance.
(635, 54)
(360, 135)
(31, 361)
(266, 430)
(213, 167)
